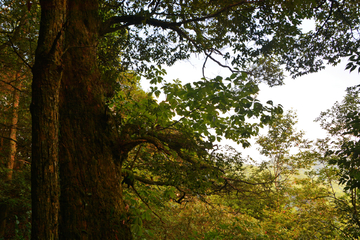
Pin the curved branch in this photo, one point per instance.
(208, 55)
(137, 19)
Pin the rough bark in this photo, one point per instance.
(47, 72)
(71, 136)
(91, 194)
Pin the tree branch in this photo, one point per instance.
(126, 21)
(8, 138)
(200, 19)
(9, 83)
(151, 182)
(18, 54)
(138, 19)
(135, 20)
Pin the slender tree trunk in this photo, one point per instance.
(13, 129)
(47, 72)
(1, 143)
(91, 195)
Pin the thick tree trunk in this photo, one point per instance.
(47, 72)
(70, 130)
(91, 195)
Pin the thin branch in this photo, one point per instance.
(136, 156)
(147, 204)
(326, 20)
(18, 54)
(208, 55)
(9, 83)
(155, 7)
(203, 67)
(8, 138)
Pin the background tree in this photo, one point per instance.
(17, 40)
(18, 35)
(281, 139)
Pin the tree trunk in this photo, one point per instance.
(13, 129)
(47, 72)
(91, 195)
(70, 130)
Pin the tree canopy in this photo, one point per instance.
(241, 32)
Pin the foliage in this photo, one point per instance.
(302, 210)
(342, 123)
(16, 196)
(198, 220)
(176, 152)
(202, 106)
(250, 205)
(336, 24)
(163, 32)
(346, 210)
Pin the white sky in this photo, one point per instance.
(307, 95)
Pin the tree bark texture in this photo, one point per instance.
(47, 73)
(72, 142)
